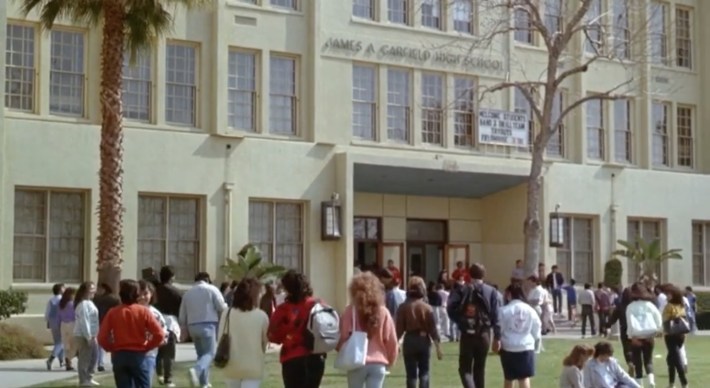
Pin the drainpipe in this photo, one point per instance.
(613, 207)
(227, 220)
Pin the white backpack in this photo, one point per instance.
(323, 328)
(640, 320)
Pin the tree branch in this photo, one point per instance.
(525, 88)
(608, 95)
(570, 28)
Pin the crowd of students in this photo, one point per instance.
(141, 327)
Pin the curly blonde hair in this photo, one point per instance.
(368, 297)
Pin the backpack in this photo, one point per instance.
(640, 320)
(322, 328)
(603, 300)
(474, 311)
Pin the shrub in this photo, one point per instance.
(613, 271)
(703, 301)
(12, 302)
(16, 343)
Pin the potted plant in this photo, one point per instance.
(249, 263)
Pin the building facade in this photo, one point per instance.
(250, 114)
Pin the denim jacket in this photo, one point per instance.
(607, 375)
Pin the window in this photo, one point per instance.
(524, 30)
(431, 13)
(181, 84)
(432, 108)
(595, 130)
(464, 111)
(366, 236)
(169, 234)
(398, 11)
(277, 229)
(658, 24)
(648, 231)
(701, 253)
(20, 68)
(684, 118)
(49, 237)
(242, 94)
(576, 257)
(66, 77)
(553, 15)
(283, 102)
(364, 9)
(399, 123)
(137, 86)
(364, 102)
(556, 145)
(661, 149)
(622, 130)
(286, 4)
(463, 16)
(522, 105)
(683, 41)
(621, 29)
(594, 37)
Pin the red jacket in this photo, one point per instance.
(288, 328)
(461, 274)
(125, 327)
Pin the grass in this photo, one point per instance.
(444, 373)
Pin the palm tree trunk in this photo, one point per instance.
(532, 227)
(110, 238)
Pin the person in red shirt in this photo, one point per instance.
(396, 274)
(300, 368)
(128, 332)
(461, 273)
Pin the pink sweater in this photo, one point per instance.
(382, 347)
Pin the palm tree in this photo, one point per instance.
(647, 257)
(126, 24)
(249, 264)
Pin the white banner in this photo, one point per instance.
(503, 128)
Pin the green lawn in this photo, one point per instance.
(444, 373)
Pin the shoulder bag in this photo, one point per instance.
(221, 356)
(353, 353)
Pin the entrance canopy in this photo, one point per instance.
(371, 178)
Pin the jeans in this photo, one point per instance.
(587, 314)
(416, 349)
(131, 369)
(473, 352)
(242, 383)
(642, 357)
(444, 320)
(369, 376)
(165, 359)
(673, 359)
(454, 332)
(100, 357)
(626, 348)
(303, 372)
(203, 338)
(86, 360)
(58, 349)
(557, 300)
(603, 319)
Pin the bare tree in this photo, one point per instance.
(575, 34)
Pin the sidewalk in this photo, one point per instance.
(26, 373)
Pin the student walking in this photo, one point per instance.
(619, 315)
(169, 299)
(147, 299)
(588, 303)
(105, 300)
(674, 313)
(416, 324)
(555, 281)
(51, 316)
(123, 333)
(571, 292)
(603, 299)
(367, 313)
(67, 318)
(86, 329)
(201, 307)
(645, 322)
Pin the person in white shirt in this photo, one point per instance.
(200, 311)
(520, 330)
(247, 326)
(445, 324)
(644, 323)
(588, 302)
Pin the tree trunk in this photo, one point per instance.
(110, 238)
(532, 227)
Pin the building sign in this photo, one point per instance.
(418, 55)
(503, 128)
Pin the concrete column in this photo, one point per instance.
(344, 249)
(5, 189)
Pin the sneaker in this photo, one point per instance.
(192, 378)
(49, 364)
(161, 380)
(95, 383)
(101, 369)
(170, 385)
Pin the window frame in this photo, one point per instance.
(437, 23)
(47, 193)
(32, 71)
(685, 141)
(518, 96)
(700, 257)
(295, 97)
(429, 112)
(408, 109)
(255, 94)
(596, 28)
(199, 224)
(560, 151)
(627, 133)
(83, 76)
(686, 42)
(556, 18)
(273, 203)
(525, 35)
(621, 32)
(374, 103)
(465, 113)
(570, 247)
(660, 40)
(195, 88)
(150, 85)
(295, 5)
(373, 14)
(596, 129)
(639, 223)
(664, 137)
(406, 15)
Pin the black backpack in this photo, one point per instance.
(474, 311)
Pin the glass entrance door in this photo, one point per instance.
(425, 260)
